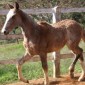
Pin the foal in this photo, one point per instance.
(42, 38)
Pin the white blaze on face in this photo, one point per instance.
(10, 14)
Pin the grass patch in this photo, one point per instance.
(11, 51)
(31, 70)
(8, 73)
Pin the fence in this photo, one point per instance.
(56, 12)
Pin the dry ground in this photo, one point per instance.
(62, 80)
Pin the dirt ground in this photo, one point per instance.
(62, 80)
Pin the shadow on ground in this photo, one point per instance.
(62, 80)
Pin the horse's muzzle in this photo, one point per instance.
(6, 32)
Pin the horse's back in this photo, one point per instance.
(67, 23)
(73, 30)
(54, 37)
(71, 26)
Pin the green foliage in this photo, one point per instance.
(79, 17)
(7, 73)
(11, 51)
(71, 3)
(31, 70)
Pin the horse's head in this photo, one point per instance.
(12, 19)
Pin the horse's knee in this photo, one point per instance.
(81, 57)
(20, 62)
(44, 64)
(24, 59)
(78, 51)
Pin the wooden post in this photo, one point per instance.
(56, 62)
(56, 14)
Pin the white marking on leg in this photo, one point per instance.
(46, 82)
(54, 69)
(56, 64)
(83, 71)
(19, 67)
(71, 68)
(20, 76)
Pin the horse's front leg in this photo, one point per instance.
(43, 58)
(21, 61)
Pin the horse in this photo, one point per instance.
(41, 38)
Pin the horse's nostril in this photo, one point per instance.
(5, 32)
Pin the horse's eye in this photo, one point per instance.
(13, 16)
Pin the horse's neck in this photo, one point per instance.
(28, 26)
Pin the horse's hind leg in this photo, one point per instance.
(21, 61)
(78, 52)
(43, 58)
(72, 66)
(82, 62)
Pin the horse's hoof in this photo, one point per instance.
(27, 81)
(71, 75)
(81, 79)
(24, 80)
(46, 83)
(71, 72)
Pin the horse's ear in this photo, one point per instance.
(16, 5)
(10, 6)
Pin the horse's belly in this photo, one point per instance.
(56, 45)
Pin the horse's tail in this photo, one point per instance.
(83, 35)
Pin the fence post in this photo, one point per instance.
(56, 14)
(56, 62)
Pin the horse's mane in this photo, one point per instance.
(27, 18)
(43, 25)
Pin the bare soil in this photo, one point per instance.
(62, 80)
